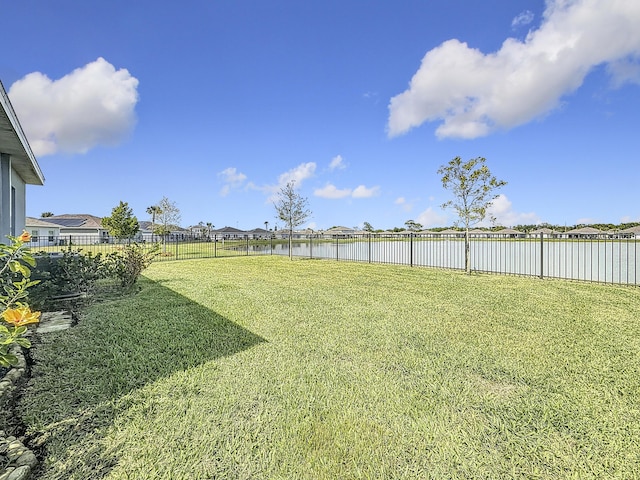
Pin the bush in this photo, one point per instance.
(127, 264)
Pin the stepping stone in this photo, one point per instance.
(54, 322)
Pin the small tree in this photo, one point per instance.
(168, 217)
(474, 189)
(292, 209)
(367, 227)
(122, 223)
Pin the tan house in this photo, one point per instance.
(18, 168)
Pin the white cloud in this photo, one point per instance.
(232, 179)
(474, 94)
(400, 201)
(297, 174)
(363, 192)
(501, 209)
(431, 218)
(332, 192)
(93, 105)
(337, 163)
(524, 18)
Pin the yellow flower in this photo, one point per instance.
(25, 237)
(20, 316)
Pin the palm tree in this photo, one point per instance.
(209, 227)
(153, 210)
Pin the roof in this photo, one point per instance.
(508, 231)
(635, 230)
(585, 231)
(76, 220)
(39, 222)
(14, 142)
(228, 230)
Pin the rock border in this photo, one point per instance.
(21, 460)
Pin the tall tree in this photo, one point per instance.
(413, 226)
(122, 223)
(474, 189)
(367, 227)
(168, 217)
(292, 209)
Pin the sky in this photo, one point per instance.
(217, 104)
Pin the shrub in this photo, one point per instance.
(127, 264)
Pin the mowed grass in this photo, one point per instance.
(265, 368)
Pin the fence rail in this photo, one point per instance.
(604, 260)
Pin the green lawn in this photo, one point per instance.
(263, 368)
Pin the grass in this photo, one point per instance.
(263, 368)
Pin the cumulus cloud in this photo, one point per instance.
(337, 163)
(363, 192)
(93, 105)
(331, 192)
(232, 179)
(431, 218)
(297, 174)
(502, 210)
(474, 94)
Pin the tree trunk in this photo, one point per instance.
(290, 244)
(467, 253)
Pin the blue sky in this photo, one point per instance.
(217, 104)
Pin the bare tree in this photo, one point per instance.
(474, 189)
(292, 209)
(168, 217)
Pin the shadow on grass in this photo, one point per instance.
(81, 377)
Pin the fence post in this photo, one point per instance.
(337, 248)
(369, 235)
(247, 245)
(215, 245)
(311, 246)
(411, 249)
(541, 255)
(176, 247)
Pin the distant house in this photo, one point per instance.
(585, 232)
(545, 232)
(18, 168)
(80, 228)
(259, 233)
(631, 232)
(340, 232)
(43, 233)
(229, 233)
(509, 233)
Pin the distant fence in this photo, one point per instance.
(593, 259)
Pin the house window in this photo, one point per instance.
(34, 236)
(51, 235)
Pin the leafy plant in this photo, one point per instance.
(16, 263)
(127, 264)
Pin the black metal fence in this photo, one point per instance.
(594, 259)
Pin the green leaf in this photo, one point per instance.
(8, 360)
(23, 342)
